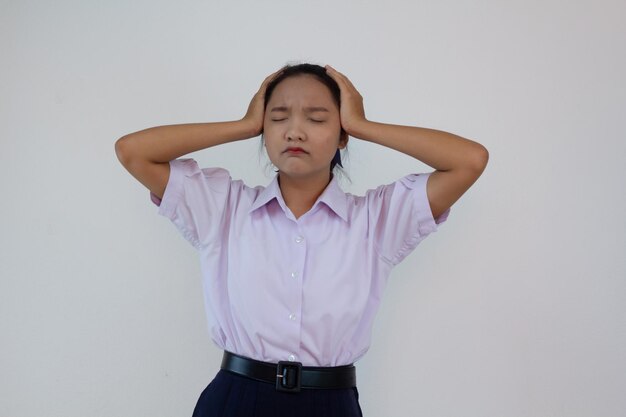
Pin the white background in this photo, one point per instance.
(515, 307)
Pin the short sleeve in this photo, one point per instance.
(194, 200)
(400, 217)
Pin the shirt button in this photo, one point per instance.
(299, 239)
(292, 358)
(294, 275)
(292, 316)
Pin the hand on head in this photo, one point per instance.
(256, 110)
(352, 111)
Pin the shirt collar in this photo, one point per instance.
(333, 196)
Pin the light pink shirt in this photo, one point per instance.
(280, 288)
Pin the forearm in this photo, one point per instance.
(165, 143)
(441, 150)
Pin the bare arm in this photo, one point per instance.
(146, 153)
(163, 143)
(458, 161)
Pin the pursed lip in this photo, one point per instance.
(295, 150)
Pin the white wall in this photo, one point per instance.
(515, 307)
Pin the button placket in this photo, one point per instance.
(295, 273)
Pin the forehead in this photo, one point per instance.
(301, 88)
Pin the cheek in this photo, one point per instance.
(271, 129)
(332, 135)
(334, 129)
(270, 144)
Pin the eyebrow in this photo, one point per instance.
(306, 109)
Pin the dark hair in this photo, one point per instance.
(320, 74)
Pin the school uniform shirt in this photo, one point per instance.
(278, 288)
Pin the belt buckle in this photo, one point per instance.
(288, 376)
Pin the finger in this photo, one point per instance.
(350, 83)
(270, 77)
(339, 77)
(347, 81)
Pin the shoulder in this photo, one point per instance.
(189, 167)
(403, 185)
(405, 196)
(377, 201)
(213, 181)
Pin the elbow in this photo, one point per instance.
(122, 150)
(479, 158)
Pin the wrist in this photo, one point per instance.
(251, 128)
(359, 129)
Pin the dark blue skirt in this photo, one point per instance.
(231, 395)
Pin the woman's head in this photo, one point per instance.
(302, 108)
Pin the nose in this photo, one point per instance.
(294, 132)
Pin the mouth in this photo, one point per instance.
(295, 151)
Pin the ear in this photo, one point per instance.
(343, 139)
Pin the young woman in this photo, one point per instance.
(293, 272)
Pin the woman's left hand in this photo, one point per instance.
(352, 112)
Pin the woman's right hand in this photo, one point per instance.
(256, 110)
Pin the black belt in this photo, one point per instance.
(291, 376)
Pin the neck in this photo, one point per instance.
(300, 194)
